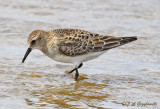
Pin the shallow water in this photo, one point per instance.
(124, 77)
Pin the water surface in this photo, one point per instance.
(124, 77)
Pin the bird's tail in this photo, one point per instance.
(113, 42)
(125, 40)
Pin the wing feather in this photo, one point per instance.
(84, 42)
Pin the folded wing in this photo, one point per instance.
(82, 43)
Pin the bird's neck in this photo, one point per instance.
(43, 42)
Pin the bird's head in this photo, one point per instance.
(35, 41)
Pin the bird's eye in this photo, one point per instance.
(33, 41)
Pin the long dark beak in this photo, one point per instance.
(27, 53)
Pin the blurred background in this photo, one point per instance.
(128, 74)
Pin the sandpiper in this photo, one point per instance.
(73, 45)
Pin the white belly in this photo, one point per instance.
(77, 59)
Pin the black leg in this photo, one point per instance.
(77, 74)
(80, 65)
(72, 71)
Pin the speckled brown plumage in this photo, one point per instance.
(75, 42)
(78, 42)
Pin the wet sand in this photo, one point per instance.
(124, 77)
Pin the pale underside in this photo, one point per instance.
(76, 60)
